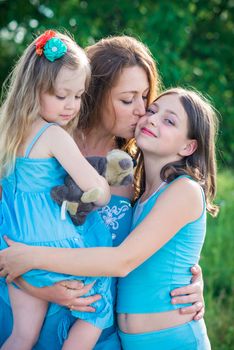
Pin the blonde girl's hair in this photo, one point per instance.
(32, 75)
(201, 165)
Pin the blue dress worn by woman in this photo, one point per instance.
(29, 215)
(147, 288)
(117, 216)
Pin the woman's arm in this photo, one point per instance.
(192, 293)
(137, 247)
(66, 293)
(61, 144)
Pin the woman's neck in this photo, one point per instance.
(94, 143)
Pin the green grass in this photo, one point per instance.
(217, 261)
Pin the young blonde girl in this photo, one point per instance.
(40, 111)
(177, 140)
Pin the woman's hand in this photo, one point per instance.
(66, 293)
(17, 252)
(193, 293)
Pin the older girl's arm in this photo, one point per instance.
(137, 247)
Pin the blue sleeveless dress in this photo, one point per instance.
(117, 215)
(29, 215)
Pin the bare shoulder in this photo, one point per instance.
(187, 188)
(56, 136)
(184, 195)
(56, 130)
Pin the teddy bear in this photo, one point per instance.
(117, 168)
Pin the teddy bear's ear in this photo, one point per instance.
(99, 163)
(127, 180)
(125, 164)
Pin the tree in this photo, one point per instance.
(191, 41)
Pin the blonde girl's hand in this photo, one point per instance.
(69, 293)
(193, 293)
(15, 260)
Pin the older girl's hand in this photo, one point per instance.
(66, 293)
(17, 252)
(193, 293)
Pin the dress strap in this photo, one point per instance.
(36, 137)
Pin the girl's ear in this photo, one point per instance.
(189, 148)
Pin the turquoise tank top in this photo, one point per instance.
(147, 288)
(30, 215)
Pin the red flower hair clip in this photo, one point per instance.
(42, 40)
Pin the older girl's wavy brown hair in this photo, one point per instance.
(201, 165)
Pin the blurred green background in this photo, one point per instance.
(192, 42)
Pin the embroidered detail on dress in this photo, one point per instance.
(111, 215)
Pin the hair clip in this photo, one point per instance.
(52, 47)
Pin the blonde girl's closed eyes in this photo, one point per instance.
(63, 104)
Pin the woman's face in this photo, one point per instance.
(126, 102)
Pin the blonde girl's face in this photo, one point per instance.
(126, 103)
(64, 104)
(164, 128)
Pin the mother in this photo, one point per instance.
(124, 81)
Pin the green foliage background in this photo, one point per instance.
(192, 42)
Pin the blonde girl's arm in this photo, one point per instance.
(62, 146)
(172, 211)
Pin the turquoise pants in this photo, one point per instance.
(189, 336)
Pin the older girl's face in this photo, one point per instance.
(164, 129)
(126, 103)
